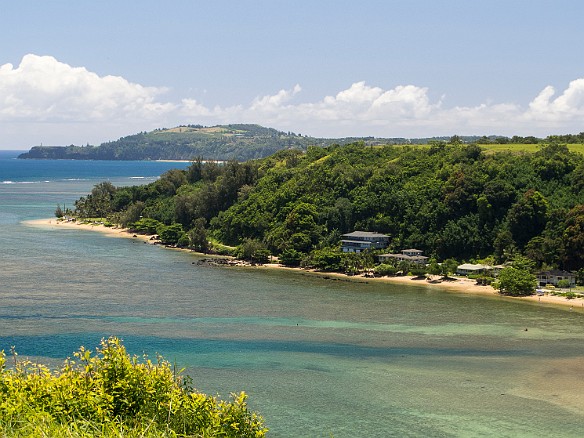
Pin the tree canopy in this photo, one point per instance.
(453, 201)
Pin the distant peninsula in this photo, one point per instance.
(240, 142)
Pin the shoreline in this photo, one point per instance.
(460, 285)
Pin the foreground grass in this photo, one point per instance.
(112, 394)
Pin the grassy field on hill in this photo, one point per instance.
(531, 148)
(243, 142)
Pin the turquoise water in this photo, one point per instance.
(317, 357)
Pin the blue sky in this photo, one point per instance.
(77, 72)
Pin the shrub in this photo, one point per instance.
(385, 269)
(170, 234)
(114, 394)
(325, 259)
(291, 257)
(218, 248)
(146, 225)
(418, 271)
(564, 284)
(252, 250)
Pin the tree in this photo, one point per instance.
(580, 277)
(434, 269)
(419, 271)
(384, 269)
(253, 250)
(132, 213)
(291, 257)
(59, 212)
(170, 234)
(449, 266)
(146, 225)
(198, 236)
(516, 282)
(195, 171)
(98, 203)
(325, 259)
(455, 139)
(527, 217)
(504, 245)
(574, 238)
(102, 195)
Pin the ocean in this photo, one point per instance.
(318, 357)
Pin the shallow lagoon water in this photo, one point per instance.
(317, 357)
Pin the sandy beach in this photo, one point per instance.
(460, 285)
(110, 231)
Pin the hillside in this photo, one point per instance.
(226, 142)
(451, 201)
(242, 142)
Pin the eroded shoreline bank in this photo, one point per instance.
(460, 285)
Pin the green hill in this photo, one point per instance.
(239, 142)
(451, 201)
(242, 142)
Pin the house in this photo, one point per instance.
(407, 255)
(554, 276)
(358, 241)
(470, 269)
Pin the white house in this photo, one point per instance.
(407, 255)
(554, 277)
(470, 269)
(358, 241)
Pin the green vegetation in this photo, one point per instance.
(114, 394)
(529, 148)
(239, 142)
(516, 282)
(453, 201)
(245, 142)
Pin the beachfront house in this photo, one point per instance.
(554, 276)
(474, 269)
(470, 269)
(407, 255)
(359, 241)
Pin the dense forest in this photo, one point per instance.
(453, 201)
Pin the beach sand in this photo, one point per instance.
(110, 231)
(460, 285)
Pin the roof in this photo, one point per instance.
(555, 273)
(404, 257)
(364, 234)
(471, 267)
(412, 250)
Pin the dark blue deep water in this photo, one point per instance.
(317, 357)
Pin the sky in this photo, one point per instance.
(86, 72)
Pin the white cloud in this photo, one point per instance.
(42, 89)
(46, 100)
(568, 106)
(275, 102)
